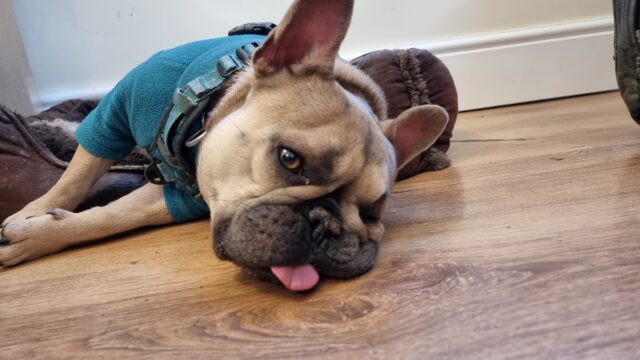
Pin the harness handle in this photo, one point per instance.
(256, 28)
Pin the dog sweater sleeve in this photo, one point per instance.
(105, 131)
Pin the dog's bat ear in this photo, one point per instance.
(307, 39)
(414, 131)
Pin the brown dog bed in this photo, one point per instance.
(35, 150)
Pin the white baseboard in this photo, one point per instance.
(531, 64)
(518, 66)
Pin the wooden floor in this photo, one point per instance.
(529, 246)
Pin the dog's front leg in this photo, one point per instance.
(26, 239)
(84, 170)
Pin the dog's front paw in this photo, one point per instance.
(31, 238)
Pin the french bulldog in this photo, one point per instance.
(296, 165)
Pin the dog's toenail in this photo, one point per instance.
(3, 240)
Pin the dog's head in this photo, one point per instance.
(296, 166)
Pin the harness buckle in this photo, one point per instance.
(256, 28)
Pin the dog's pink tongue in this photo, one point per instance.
(297, 278)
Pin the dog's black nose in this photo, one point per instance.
(338, 253)
(324, 218)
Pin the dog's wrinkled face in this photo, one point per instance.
(296, 169)
(298, 175)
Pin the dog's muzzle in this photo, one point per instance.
(294, 244)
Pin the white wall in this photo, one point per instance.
(16, 85)
(82, 47)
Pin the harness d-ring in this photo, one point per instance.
(196, 139)
(152, 174)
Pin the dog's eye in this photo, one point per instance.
(289, 159)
